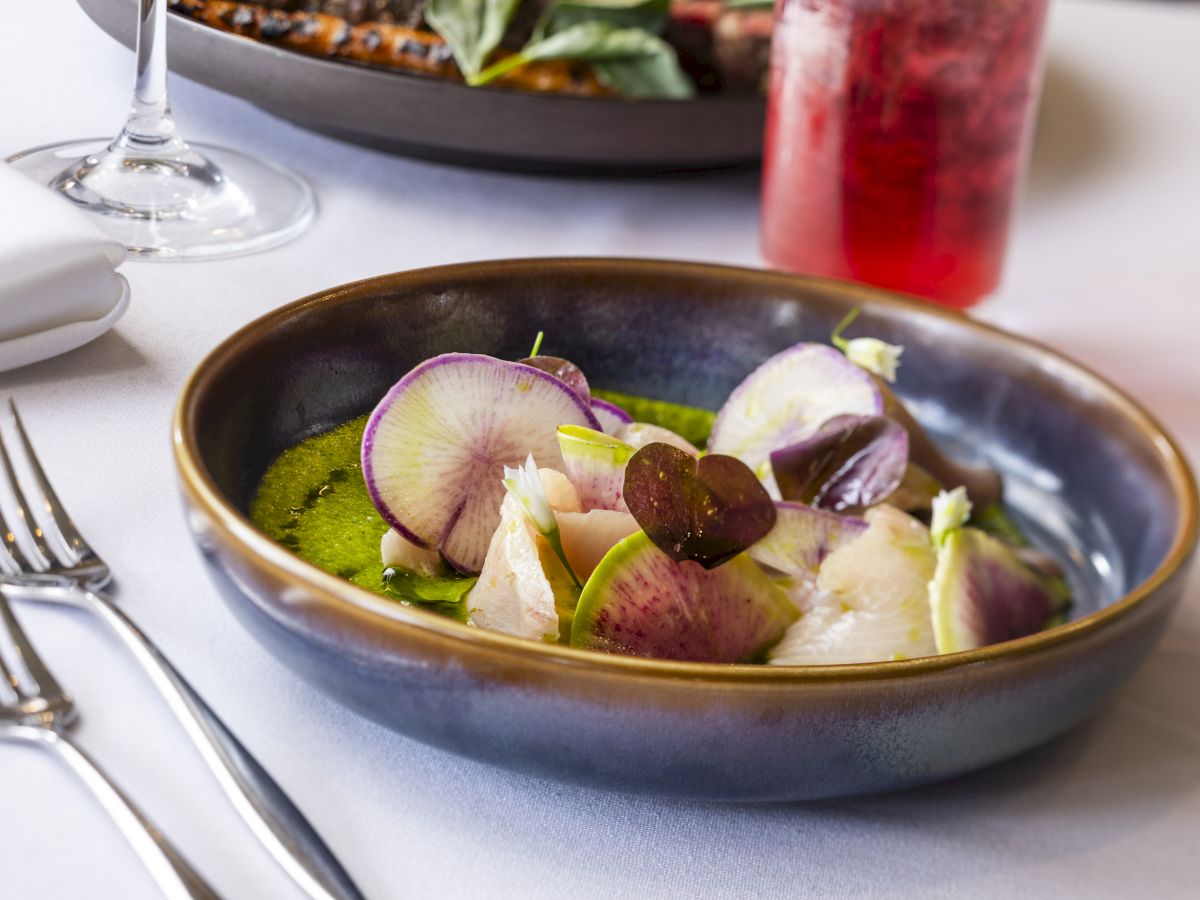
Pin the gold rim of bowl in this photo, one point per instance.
(352, 602)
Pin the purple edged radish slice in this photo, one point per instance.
(610, 416)
(595, 464)
(803, 537)
(435, 447)
(786, 399)
(982, 592)
(640, 602)
(872, 599)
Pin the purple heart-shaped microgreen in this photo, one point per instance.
(564, 370)
(851, 462)
(707, 510)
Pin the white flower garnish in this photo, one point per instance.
(875, 356)
(524, 484)
(951, 509)
(871, 354)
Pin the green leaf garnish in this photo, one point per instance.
(472, 29)
(634, 61)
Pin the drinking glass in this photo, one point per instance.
(897, 137)
(161, 197)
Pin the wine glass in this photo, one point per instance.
(164, 199)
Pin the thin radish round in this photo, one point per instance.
(803, 537)
(786, 399)
(435, 447)
(640, 602)
(610, 416)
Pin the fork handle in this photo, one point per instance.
(174, 875)
(262, 804)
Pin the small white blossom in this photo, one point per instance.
(524, 484)
(875, 356)
(951, 509)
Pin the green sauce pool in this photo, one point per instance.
(313, 500)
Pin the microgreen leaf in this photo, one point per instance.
(564, 370)
(850, 463)
(707, 510)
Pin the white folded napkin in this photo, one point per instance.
(58, 284)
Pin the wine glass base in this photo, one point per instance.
(195, 202)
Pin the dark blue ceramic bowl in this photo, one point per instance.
(1087, 470)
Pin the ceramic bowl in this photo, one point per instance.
(1088, 471)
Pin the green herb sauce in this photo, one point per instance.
(686, 421)
(313, 500)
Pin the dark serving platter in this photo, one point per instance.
(444, 121)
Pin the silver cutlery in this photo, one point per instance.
(58, 566)
(35, 708)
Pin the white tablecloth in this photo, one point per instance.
(1105, 266)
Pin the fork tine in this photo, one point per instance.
(12, 557)
(44, 556)
(56, 522)
(46, 686)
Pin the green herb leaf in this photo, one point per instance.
(659, 74)
(650, 15)
(749, 4)
(471, 28)
(653, 76)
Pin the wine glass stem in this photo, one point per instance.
(150, 125)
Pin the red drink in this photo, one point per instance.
(896, 139)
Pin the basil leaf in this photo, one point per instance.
(471, 28)
(657, 75)
(653, 76)
(651, 15)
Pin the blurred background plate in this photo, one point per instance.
(448, 122)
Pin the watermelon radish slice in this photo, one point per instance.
(982, 593)
(786, 399)
(803, 537)
(610, 416)
(435, 447)
(639, 434)
(872, 599)
(587, 537)
(595, 463)
(639, 602)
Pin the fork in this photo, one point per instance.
(59, 566)
(35, 708)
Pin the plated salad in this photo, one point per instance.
(671, 49)
(808, 521)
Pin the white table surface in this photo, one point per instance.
(1105, 266)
